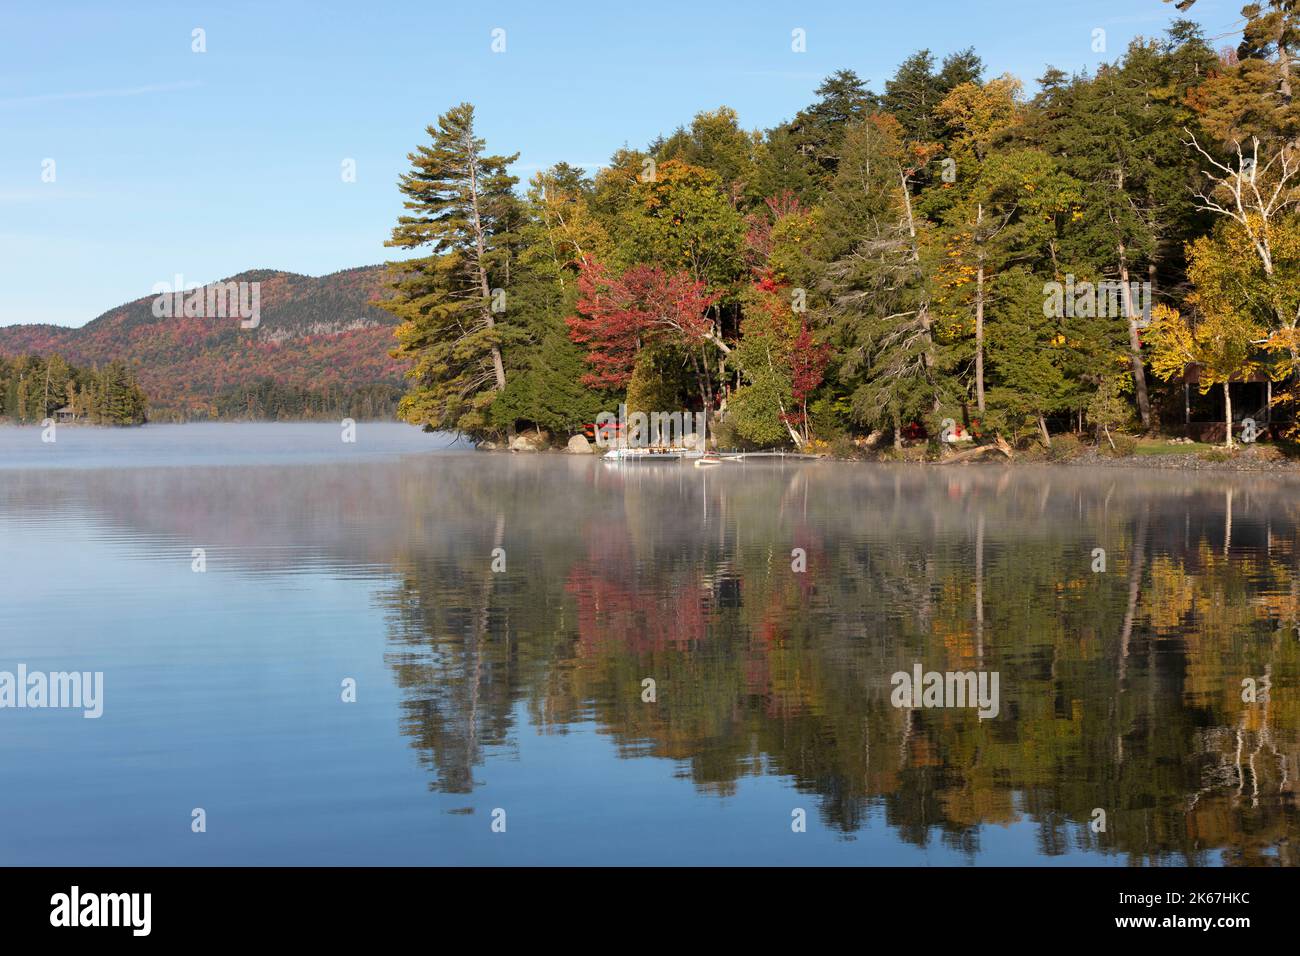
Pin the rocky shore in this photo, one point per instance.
(1246, 458)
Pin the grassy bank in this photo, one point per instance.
(1067, 449)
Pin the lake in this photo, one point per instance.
(400, 651)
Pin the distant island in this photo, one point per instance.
(35, 389)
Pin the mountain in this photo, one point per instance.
(321, 349)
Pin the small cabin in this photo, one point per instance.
(65, 415)
(1252, 397)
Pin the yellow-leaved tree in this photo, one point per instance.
(1219, 345)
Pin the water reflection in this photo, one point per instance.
(1121, 690)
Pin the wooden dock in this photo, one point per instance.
(773, 453)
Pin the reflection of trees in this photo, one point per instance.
(1120, 691)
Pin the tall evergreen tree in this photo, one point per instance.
(800, 156)
(461, 205)
(977, 207)
(916, 89)
(544, 367)
(878, 282)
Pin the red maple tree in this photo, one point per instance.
(619, 314)
(808, 361)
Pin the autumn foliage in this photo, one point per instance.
(618, 315)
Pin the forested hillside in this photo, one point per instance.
(320, 350)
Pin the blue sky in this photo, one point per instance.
(172, 162)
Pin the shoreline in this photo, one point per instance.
(1257, 458)
(1240, 462)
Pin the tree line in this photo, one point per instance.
(34, 388)
(268, 400)
(951, 247)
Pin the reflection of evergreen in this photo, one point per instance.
(1119, 691)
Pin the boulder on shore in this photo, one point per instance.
(578, 445)
(530, 441)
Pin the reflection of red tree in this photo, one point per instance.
(758, 675)
(770, 638)
(806, 537)
(773, 630)
(641, 617)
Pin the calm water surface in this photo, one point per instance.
(522, 690)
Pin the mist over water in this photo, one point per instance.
(211, 444)
(522, 689)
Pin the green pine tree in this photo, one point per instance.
(461, 206)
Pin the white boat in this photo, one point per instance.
(656, 453)
(650, 454)
(713, 458)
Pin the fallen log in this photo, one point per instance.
(972, 453)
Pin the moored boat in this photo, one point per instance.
(650, 454)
